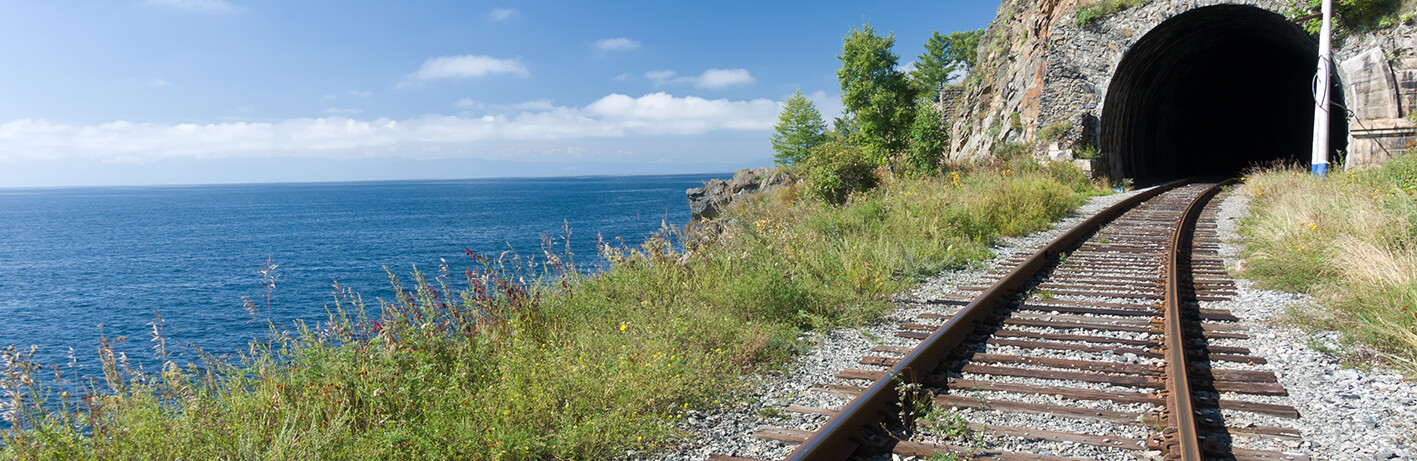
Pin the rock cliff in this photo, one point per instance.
(1040, 68)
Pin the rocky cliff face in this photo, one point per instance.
(1039, 68)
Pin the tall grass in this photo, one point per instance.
(491, 364)
(1351, 240)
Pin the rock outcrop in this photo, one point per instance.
(1038, 67)
(716, 195)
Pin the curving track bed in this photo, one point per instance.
(1093, 347)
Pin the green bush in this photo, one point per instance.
(839, 169)
(927, 140)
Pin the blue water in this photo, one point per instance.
(73, 259)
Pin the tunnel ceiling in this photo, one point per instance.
(1210, 92)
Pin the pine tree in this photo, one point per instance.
(945, 56)
(799, 128)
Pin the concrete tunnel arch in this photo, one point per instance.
(1213, 91)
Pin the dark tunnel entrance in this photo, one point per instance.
(1212, 91)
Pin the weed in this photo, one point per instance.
(941, 456)
(1351, 240)
(1086, 153)
(946, 424)
(1091, 12)
(915, 403)
(1055, 131)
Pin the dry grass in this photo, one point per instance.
(1349, 239)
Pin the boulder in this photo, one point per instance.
(706, 202)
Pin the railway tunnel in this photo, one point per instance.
(1212, 91)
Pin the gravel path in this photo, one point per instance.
(1345, 413)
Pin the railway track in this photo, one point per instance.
(1092, 347)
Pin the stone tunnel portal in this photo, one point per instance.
(1212, 91)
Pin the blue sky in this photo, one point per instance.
(218, 91)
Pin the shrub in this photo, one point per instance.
(1055, 131)
(927, 140)
(838, 169)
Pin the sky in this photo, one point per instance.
(133, 92)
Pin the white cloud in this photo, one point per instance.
(660, 76)
(616, 44)
(712, 78)
(719, 78)
(502, 14)
(205, 6)
(340, 111)
(466, 66)
(615, 116)
(623, 77)
(537, 105)
(158, 83)
(467, 103)
(359, 94)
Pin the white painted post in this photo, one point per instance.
(1319, 162)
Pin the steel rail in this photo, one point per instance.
(838, 438)
(1183, 440)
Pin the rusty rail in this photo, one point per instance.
(837, 439)
(1182, 437)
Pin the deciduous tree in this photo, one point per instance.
(876, 96)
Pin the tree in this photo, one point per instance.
(943, 57)
(799, 128)
(876, 96)
(927, 139)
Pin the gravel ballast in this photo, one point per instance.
(1345, 413)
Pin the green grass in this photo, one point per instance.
(496, 364)
(1351, 240)
(1091, 12)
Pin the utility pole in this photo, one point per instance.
(1319, 163)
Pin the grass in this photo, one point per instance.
(497, 363)
(1351, 240)
(1093, 11)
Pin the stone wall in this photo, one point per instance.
(1379, 74)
